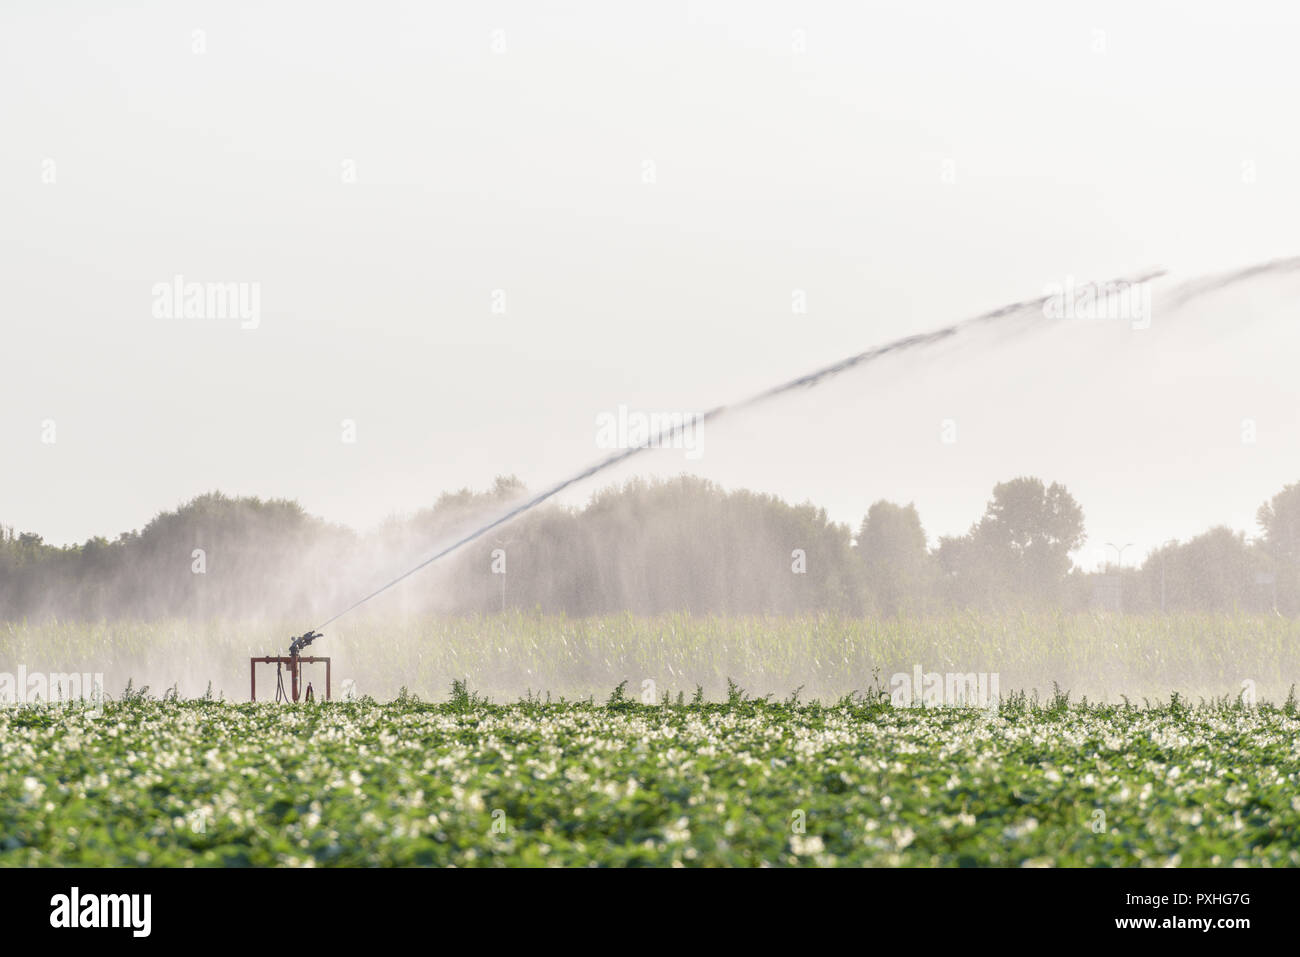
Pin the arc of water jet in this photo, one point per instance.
(808, 381)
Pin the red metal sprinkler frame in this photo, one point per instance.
(295, 661)
(295, 674)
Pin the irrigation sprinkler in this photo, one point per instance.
(294, 660)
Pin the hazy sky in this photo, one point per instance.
(471, 231)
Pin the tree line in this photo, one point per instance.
(644, 547)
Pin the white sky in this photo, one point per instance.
(1176, 145)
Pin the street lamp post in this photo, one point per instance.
(1119, 558)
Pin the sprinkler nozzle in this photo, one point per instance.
(302, 641)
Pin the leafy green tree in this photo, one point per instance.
(1019, 551)
(892, 546)
(1029, 531)
(1213, 571)
(1279, 520)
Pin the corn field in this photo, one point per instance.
(1103, 657)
